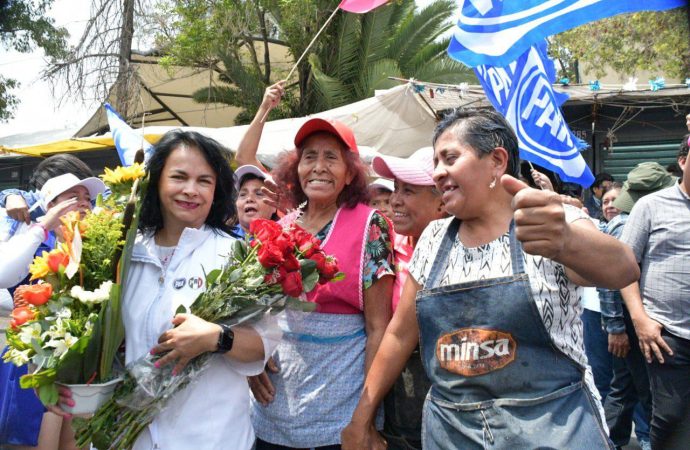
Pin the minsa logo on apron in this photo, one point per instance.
(474, 351)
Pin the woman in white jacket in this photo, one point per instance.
(182, 235)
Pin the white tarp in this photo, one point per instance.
(393, 122)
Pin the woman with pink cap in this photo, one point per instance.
(415, 203)
(323, 357)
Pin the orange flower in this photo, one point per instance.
(57, 258)
(69, 220)
(38, 294)
(21, 315)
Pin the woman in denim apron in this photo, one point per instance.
(496, 311)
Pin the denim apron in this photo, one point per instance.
(498, 381)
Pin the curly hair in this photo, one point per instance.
(286, 176)
(223, 209)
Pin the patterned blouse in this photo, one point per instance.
(378, 258)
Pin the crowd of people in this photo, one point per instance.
(484, 304)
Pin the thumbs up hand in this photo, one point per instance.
(539, 218)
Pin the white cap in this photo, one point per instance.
(418, 169)
(383, 184)
(249, 169)
(57, 185)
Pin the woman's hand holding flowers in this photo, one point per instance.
(191, 337)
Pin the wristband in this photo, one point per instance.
(41, 226)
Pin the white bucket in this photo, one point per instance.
(89, 397)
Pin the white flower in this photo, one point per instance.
(97, 296)
(29, 332)
(62, 345)
(16, 357)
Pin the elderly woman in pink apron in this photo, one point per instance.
(493, 300)
(324, 355)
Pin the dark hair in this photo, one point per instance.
(615, 185)
(217, 156)
(683, 147)
(285, 174)
(483, 130)
(599, 179)
(57, 165)
(571, 190)
(250, 177)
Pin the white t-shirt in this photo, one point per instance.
(557, 298)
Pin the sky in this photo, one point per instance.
(38, 109)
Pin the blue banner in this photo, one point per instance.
(522, 92)
(127, 141)
(497, 32)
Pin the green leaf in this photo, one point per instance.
(239, 250)
(306, 267)
(212, 276)
(48, 394)
(310, 281)
(235, 275)
(339, 276)
(113, 333)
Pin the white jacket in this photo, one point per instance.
(212, 412)
(17, 254)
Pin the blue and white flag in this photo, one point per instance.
(522, 92)
(497, 32)
(127, 141)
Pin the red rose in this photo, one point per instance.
(330, 269)
(265, 230)
(270, 256)
(306, 242)
(292, 284)
(21, 315)
(57, 259)
(291, 263)
(284, 243)
(320, 259)
(37, 294)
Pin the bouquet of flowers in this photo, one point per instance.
(69, 327)
(264, 275)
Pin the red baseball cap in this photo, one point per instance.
(332, 126)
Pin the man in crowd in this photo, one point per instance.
(602, 182)
(658, 230)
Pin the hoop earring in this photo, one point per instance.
(493, 183)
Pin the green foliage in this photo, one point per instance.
(353, 57)
(23, 27)
(8, 102)
(658, 42)
(101, 243)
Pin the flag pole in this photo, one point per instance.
(304, 53)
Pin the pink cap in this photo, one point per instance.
(418, 169)
(332, 126)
